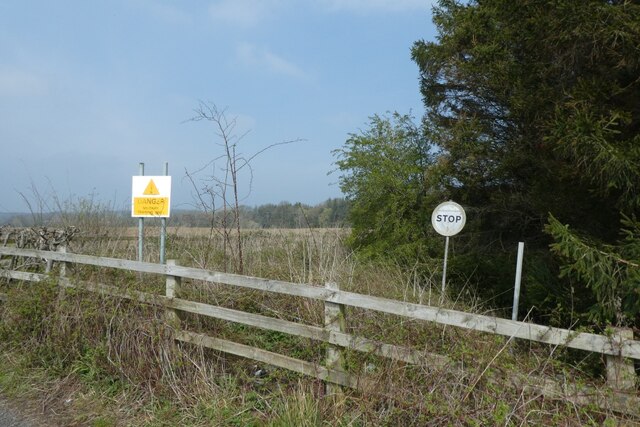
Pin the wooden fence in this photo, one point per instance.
(619, 347)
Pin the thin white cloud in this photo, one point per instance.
(248, 54)
(280, 65)
(245, 13)
(15, 82)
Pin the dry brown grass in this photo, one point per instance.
(152, 230)
(116, 361)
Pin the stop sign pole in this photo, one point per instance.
(448, 219)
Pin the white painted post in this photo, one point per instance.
(49, 266)
(516, 291)
(49, 262)
(63, 265)
(63, 271)
(621, 375)
(334, 320)
(172, 291)
(444, 268)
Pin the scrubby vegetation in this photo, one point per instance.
(532, 124)
(104, 361)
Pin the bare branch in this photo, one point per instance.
(234, 163)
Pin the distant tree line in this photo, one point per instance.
(328, 214)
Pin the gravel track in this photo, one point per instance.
(8, 417)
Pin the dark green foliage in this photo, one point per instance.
(531, 110)
(610, 272)
(531, 103)
(382, 175)
(534, 107)
(330, 213)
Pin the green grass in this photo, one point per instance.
(103, 361)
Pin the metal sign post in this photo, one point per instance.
(163, 225)
(141, 226)
(448, 219)
(151, 198)
(516, 291)
(444, 266)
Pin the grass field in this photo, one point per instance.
(100, 361)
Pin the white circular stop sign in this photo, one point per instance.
(448, 218)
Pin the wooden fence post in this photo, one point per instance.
(63, 271)
(63, 265)
(172, 291)
(49, 262)
(621, 374)
(334, 320)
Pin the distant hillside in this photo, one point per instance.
(13, 218)
(328, 214)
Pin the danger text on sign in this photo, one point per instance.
(151, 196)
(151, 206)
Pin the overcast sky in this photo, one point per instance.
(88, 89)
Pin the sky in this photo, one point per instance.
(89, 89)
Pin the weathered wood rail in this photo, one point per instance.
(619, 348)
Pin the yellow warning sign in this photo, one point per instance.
(151, 189)
(151, 196)
(151, 206)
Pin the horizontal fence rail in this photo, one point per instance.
(249, 319)
(478, 322)
(618, 348)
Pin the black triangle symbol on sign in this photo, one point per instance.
(151, 189)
